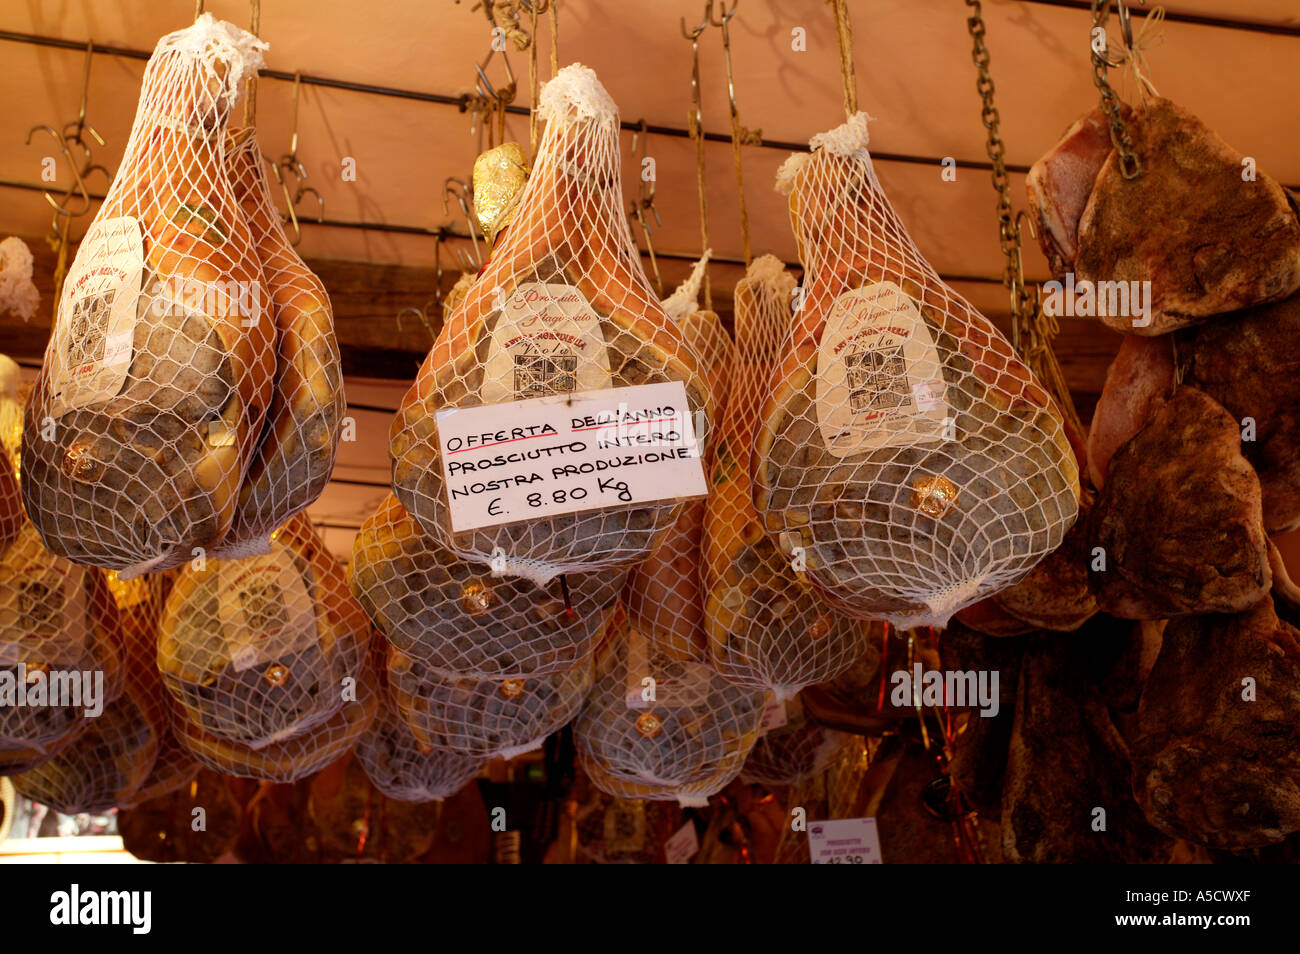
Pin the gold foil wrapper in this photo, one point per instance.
(933, 495)
(499, 177)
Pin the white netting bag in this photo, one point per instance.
(404, 768)
(793, 752)
(484, 718)
(455, 616)
(562, 307)
(160, 366)
(663, 597)
(58, 627)
(686, 744)
(768, 627)
(11, 422)
(295, 455)
(262, 649)
(904, 447)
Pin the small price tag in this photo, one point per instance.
(682, 846)
(844, 841)
(568, 453)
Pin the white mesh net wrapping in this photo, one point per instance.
(794, 751)
(484, 718)
(295, 455)
(160, 367)
(563, 306)
(904, 446)
(58, 624)
(404, 768)
(455, 616)
(686, 744)
(262, 649)
(768, 627)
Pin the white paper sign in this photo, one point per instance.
(568, 453)
(682, 846)
(844, 841)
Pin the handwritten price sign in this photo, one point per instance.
(568, 453)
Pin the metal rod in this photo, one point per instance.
(1194, 19)
(462, 103)
(447, 233)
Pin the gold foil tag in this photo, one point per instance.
(499, 176)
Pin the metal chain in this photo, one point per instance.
(1130, 166)
(1023, 303)
(1032, 330)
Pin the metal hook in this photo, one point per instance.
(437, 267)
(420, 314)
(78, 184)
(80, 124)
(725, 16)
(699, 30)
(457, 187)
(1125, 27)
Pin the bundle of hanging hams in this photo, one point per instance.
(189, 398)
(1192, 449)
(905, 452)
(563, 306)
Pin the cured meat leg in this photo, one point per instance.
(767, 628)
(563, 306)
(296, 452)
(904, 446)
(1206, 236)
(257, 650)
(159, 370)
(663, 597)
(1137, 382)
(1217, 757)
(1060, 184)
(1179, 519)
(1249, 363)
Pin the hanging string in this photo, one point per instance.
(740, 136)
(532, 84)
(1132, 53)
(844, 33)
(553, 10)
(695, 124)
(198, 8)
(250, 97)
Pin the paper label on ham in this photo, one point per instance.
(879, 377)
(263, 609)
(97, 315)
(546, 341)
